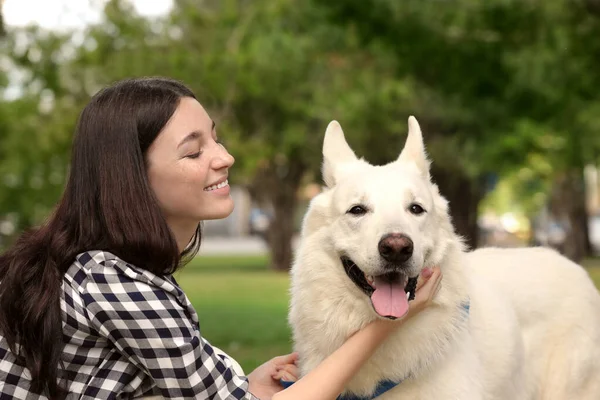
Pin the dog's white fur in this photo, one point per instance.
(533, 330)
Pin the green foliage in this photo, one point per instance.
(502, 84)
(492, 67)
(593, 269)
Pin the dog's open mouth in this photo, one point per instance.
(389, 292)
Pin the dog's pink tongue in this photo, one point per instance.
(389, 299)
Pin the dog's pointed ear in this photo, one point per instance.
(335, 152)
(414, 148)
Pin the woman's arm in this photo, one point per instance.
(328, 379)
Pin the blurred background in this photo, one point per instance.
(506, 92)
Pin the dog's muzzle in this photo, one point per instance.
(367, 284)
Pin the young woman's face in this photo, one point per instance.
(188, 168)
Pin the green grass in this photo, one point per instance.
(593, 267)
(243, 307)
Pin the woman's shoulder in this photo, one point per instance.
(93, 265)
(104, 277)
(98, 262)
(106, 268)
(103, 261)
(94, 258)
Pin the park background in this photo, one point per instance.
(506, 91)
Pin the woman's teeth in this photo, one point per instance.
(219, 186)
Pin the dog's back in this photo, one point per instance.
(558, 310)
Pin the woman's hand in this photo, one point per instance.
(263, 380)
(428, 285)
(287, 372)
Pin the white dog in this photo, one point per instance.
(507, 324)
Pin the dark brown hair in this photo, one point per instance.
(107, 205)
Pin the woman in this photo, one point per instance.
(88, 303)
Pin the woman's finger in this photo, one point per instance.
(286, 359)
(424, 277)
(286, 376)
(428, 289)
(438, 285)
(289, 370)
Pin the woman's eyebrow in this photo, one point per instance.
(195, 135)
(191, 136)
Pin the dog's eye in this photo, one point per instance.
(357, 210)
(416, 209)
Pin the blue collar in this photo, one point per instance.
(382, 386)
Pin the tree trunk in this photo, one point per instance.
(593, 7)
(463, 194)
(2, 29)
(567, 205)
(281, 231)
(276, 185)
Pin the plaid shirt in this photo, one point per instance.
(129, 333)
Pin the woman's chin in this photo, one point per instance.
(219, 211)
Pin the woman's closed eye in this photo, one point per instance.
(194, 155)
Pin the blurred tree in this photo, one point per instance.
(2, 29)
(283, 74)
(35, 127)
(272, 74)
(494, 84)
(560, 68)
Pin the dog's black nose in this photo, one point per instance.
(395, 247)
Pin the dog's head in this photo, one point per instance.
(386, 223)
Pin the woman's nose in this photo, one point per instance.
(223, 159)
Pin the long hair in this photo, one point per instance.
(107, 205)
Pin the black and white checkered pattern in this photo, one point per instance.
(129, 333)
